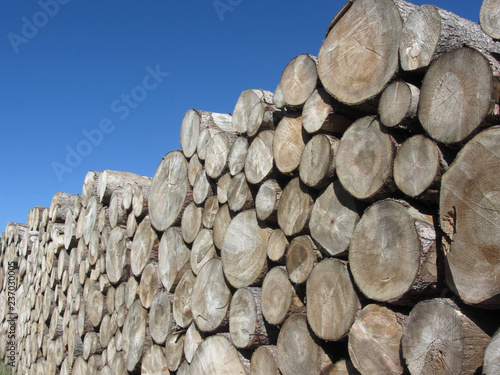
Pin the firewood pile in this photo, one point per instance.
(346, 223)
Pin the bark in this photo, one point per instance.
(60, 206)
(110, 181)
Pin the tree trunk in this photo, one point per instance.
(418, 167)
(279, 299)
(470, 214)
(154, 362)
(401, 245)
(294, 207)
(253, 112)
(202, 251)
(360, 53)
(301, 256)
(181, 308)
(244, 250)
(239, 196)
(134, 334)
(210, 298)
(468, 76)
(263, 361)
(145, 239)
(160, 318)
(440, 339)
(266, 201)
(288, 143)
(317, 163)
(148, 286)
(259, 163)
(398, 105)
(299, 80)
(169, 193)
(333, 219)
(318, 114)
(216, 356)
(489, 18)
(238, 155)
(491, 363)
(364, 159)
(246, 323)
(430, 31)
(191, 222)
(375, 341)
(300, 356)
(173, 258)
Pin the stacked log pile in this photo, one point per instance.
(346, 223)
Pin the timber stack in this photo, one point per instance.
(346, 223)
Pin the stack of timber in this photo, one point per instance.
(346, 223)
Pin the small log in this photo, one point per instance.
(237, 155)
(210, 211)
(244, 250)
(95, 305)
(174, 350)
(131, 289)
(375, 341)
(60, 206)
(106, 330)
(259, 162)
(294, 207)
(202, 251)
(202, 188)
(134, 334)
(489, 18)
(173, 258)
(117, 214)
(194, 167)
(90, 221)
(192, 341)
(217, 154)
(110, 181)
(145, 239)
(201, 146)
(277, 246)
(267, 199)
(131, 225)
(333, 219)
(298, 352)
(364, 159)
(253, 111)
(439, 338)
(398, 105)
(154, 362)
(89, 187)
(181, 307)
(69, 229)
(298, 80)
(160, 317)
(216, 356)
(401, 245)
(317, 163)
(169, 193)
(210, 298)
(263, 361)
(222, 220)
(288, 143)
(222, 186)
(343, 367)
(491, 362)
(239, 196)
(191, 222)
(116, 255)
(148, 286)
(319, 114)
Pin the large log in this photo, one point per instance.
(216, 356)
(298, 80)
(400, 244)
(360, 53)
(469, 210)
(440, 339)
(364, 159)
(253, 111)
(468, 76)
(169, 193)
(375, 341)
(244, 250)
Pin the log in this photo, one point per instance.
(131, 289)
(117, 213)
(237, 155)
(253, 111)
(181, 307)
(202, 188)
(110, 181)
(160, 318)
(439, 338)
(90, 221)
(201, 146)
(430, 31)
(116, 255)
(216, 356)
(400, 243)
(210, 298)
(259, 163)
(140, 200)
(267, 199)
(222, 186)
(134, 335)
(145, 239)
(491, 362)
(217, 154)
(294, 207)
(174, 350)
(319, 114)
(360, 53)
(80, 367)
(210, 211)
(60, 206)
(298, 80)
(332, 302)
(398, 105)
(317, 163)
(246, 324)
(202, 250)
(173, 258)
(298, 352)
(239, 196)
(106, 330)
(154, 362)
(222, 220)
(469, 217)
(279, 299)
(418, 167)
(364, 159)
(375, 341)
(192, 341)
(89, 187)
(467, 74)
(244, 250)
(168, 195)
(191, 222)
(277, 246)
(489, 18)
(288, 143)
(301, 256)
(95, 305)
(148, 286)
(333, 219)
(194, 167)
(343, 367)
(131, 225)
(90, 344)
(263, 361)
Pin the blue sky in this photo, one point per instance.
(119, 76)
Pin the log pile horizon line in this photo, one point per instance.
(346, 223)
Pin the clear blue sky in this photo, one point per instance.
(86, 65)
